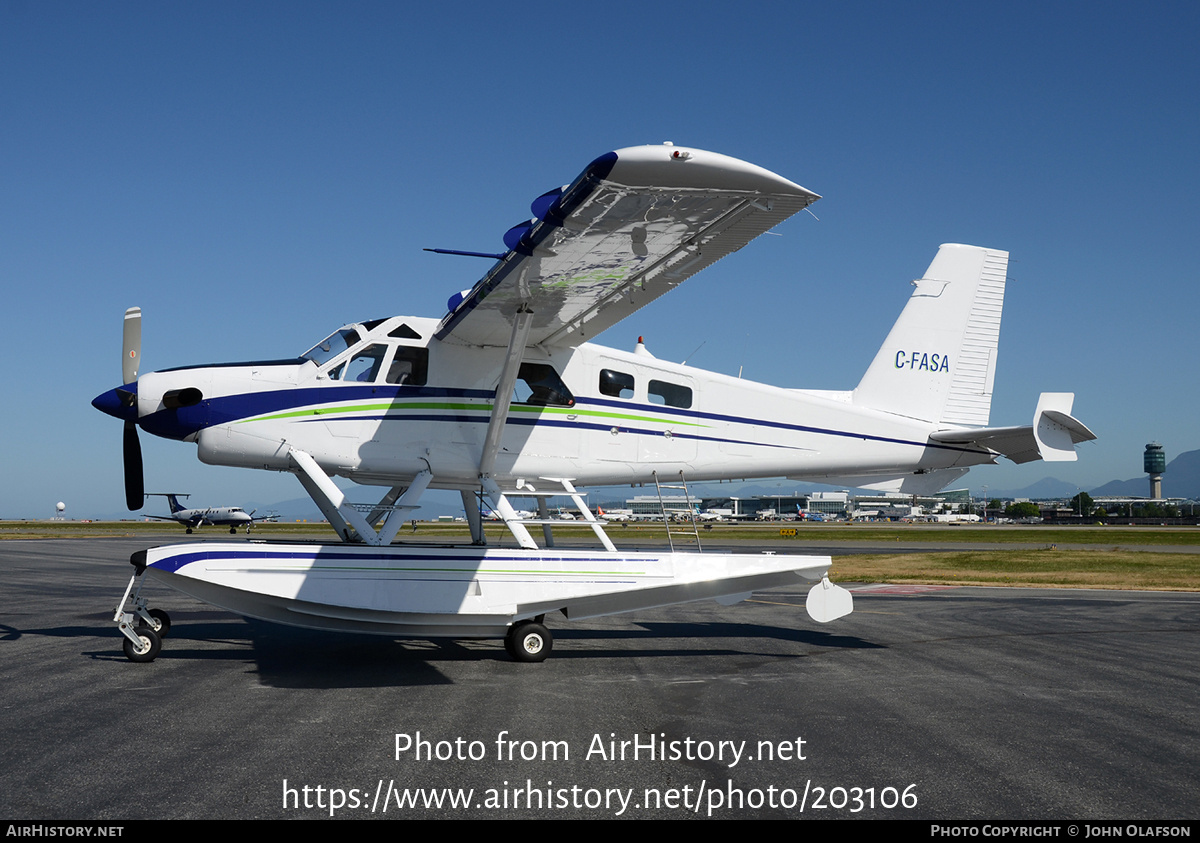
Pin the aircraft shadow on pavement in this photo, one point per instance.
(294, 657)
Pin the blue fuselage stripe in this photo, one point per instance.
(185, 421)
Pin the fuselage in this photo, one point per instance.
(379, 402)
(219, 515)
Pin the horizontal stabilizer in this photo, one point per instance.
(1052, 436)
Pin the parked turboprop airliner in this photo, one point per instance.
(220, 516)
(505, 395)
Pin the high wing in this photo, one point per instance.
(635, 224)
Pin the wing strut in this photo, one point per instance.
(508, 379)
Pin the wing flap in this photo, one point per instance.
(632, 227)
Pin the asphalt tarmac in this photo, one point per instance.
(942, 703)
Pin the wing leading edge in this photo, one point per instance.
(634, 225)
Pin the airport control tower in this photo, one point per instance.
(1154, 463)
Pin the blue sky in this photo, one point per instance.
(254, 175)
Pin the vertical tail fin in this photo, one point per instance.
(939, 361)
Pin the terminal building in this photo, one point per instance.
(838, 505)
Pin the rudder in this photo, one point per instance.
(938, 363)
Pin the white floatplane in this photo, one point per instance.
(505, 397)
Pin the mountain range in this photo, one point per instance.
(1180, 480)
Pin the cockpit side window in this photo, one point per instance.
(363, 366)
(539, 385)
(409, 367)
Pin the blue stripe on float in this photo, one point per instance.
(176, 561)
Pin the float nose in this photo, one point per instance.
(120, 403)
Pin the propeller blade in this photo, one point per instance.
(131, 350)
(135, 490)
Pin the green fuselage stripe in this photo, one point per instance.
(400, 407)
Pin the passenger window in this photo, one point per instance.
(673, 395)
(364, 366)
(410, 366)
(539, 385)
(616, 384)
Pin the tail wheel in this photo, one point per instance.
(529, 642)
(147, 648)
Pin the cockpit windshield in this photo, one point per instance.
(331, 346)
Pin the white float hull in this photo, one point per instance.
(421, 591)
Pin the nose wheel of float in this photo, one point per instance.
(144, 629)
(145, 648)
(528, 641)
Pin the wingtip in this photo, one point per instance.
(689, 167)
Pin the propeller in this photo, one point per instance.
(135, 489)
(131, 345)
(131, 353)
